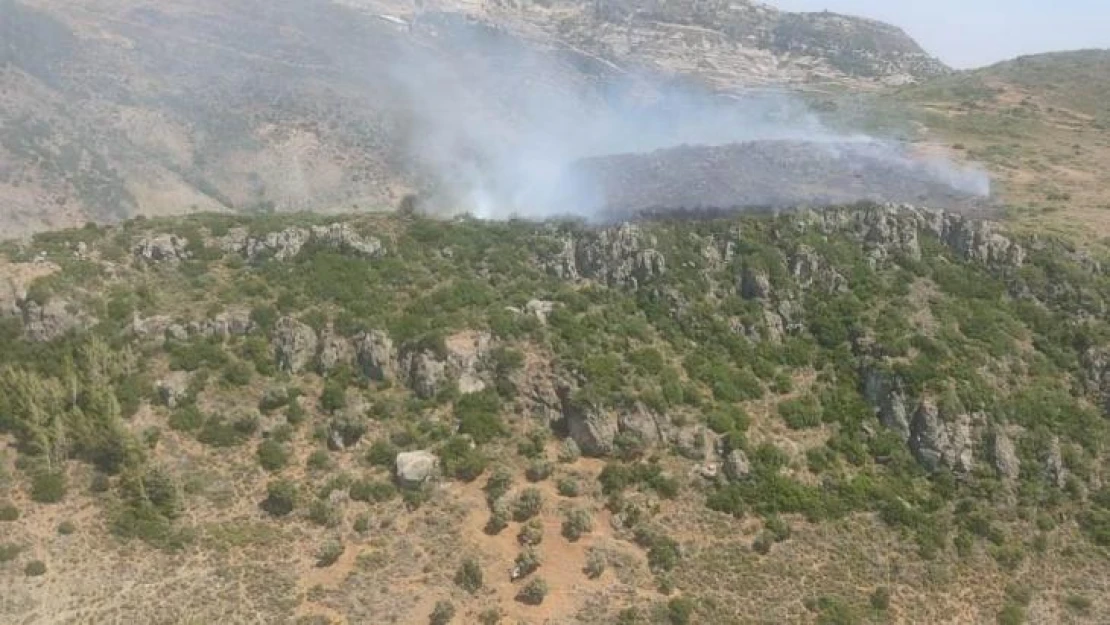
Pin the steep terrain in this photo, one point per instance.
(121, 107)
(864, 414)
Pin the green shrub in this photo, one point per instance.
(272, 455)
(801, 413)
(490, 616)
(461, 460)
(48, 486)
(568, 487)
(361, 524)
(1011, 614)
(534, 592)
(329, 553)
(65, 528)
(527, 505)
(9, 552)
(35, 568)
(577, 523)
(323, 514)
(382, 453)
(219, 432)
(663, 554)
(237, 373)
(526, 563)
(281, 498)
(498, 518)
(334, 396)
(531, 533)
(569, 452)
(319, 460)
(469, 576)
(680, 611)
(538, 470)
(186, 419)
(372, 491)
(1078, 603)
(595, 564)
(479, 416)
(442, 613)
(880, 599)
(499, 483)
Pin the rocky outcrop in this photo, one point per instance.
(414, 468)
(224, 325)
(592, 428)
(161, 248)
(620, 256)
(754, 284)
(465, 354)
(737, 467)
(285, 244)
(52, 320)
(810, 270)
(1055, 469)
(888, 398)
(173, 389)
(646, 425)
(540, 309)
(294, 345)
(424, 373)
(940, 440)
(695, 442)
(1004, 456)
(335, 351)
(376, 356)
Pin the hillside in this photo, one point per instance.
(1041, 123)
(863, 415)
(122, 107)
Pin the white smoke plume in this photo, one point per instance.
(496, 122)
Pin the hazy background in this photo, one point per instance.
(973, 33)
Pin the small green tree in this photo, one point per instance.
(281, 498)
(442, 614)
(469, 576)
(531, 533)
(35, 568)
(534, 592)
(272, 455)
(577, 523)
(329, 553)
(528, 505)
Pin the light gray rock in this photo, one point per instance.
(414, 468)
(426, 375)
(1004, 456)
(335, 351)
(1055, 469)
(938, 439)
(754, 284)
(173, 388)
(376, 355)
(343, 237)
(294, 345)
(737, 467)
(52, 320)
(643, 423)
(590, 427)
(540, 309)
(161, 248)
(621, 256)
(694, 442)
(888, 399)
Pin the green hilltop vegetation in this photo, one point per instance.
(749, 391)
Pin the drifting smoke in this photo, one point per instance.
(497, 124)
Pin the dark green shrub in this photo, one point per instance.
(461, 460)
(880, 599)
(281, 498)
(319, 460)
(65, 528)
(219, 432)
(1011, 614)
(237, 373)
(490, 616)
(469, 576)
(479, 416)
(329, 553)
(568, 487)
(538, 470)
(442, 614)
(272, 455)
(382, 453)
(35, 568)
(334, 396)
(186, 419)
(531, 533)
(9, 552)
(800, 413)
(595, 564)
(323, 514)
(577, 523)
(534, 592)
(499, 483)
(372, 491)
(48, 486)
(527, 505)
(663, 554)
(680, 611)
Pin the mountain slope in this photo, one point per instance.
(119, 107)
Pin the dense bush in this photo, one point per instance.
(479, 416)
(469, 576)
(272, 455)
(35, 568)
(528, 504)
(462, 460)
(48, 486)
(534, 592)
(281, 498)
(577, 523)
(442, 613)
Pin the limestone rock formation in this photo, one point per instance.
(414, 468)
(160, 248)
(376, 356)
(1004, 456)
(592, 428)
(294, 345)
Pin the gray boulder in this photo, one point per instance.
(754, 284)
(173, 388)
(376, 355)
(590, 427)
(343, 237)
(737, 466)
(335, 351)
(52, 320)
(161, 248)
(426, 375)
(1055, 469)
(643, 423)
(294, 345)
(1004, 456)
(414, 468)
(938, 440)
(886, 396)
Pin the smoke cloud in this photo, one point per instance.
(494, 123)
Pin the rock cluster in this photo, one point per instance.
(285, 244)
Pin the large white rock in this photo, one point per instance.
(416, 467)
